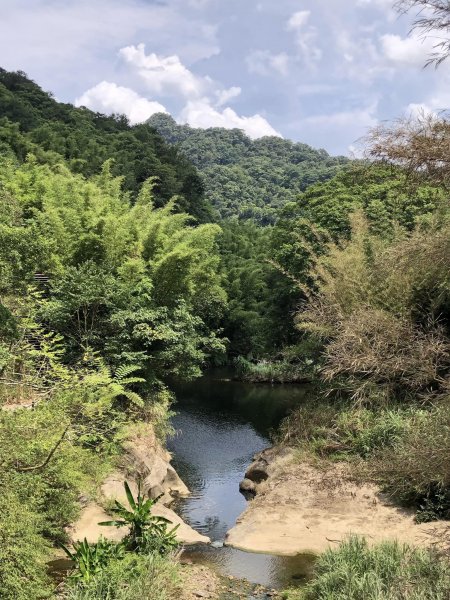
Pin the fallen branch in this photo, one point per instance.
(49, 456)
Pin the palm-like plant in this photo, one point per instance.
(90, 559)
(147, 531)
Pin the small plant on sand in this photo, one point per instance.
(148, 532)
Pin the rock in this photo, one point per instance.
(147, 461)
(257, 471)
(248, 486)
(217, 544)
(87, 526)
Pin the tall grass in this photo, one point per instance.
(341, 430)
(388, 571)
(271, 371)
(136, 577)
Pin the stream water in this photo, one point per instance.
(220, 424)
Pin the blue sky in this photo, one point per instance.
(316, 71)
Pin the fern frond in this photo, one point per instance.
(125, 370)
(134, 398)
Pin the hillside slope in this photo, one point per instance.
(32, 121)
(244, 177)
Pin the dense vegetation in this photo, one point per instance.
(376, 311)
(387, 571)
(106, 290)
(32, 121)
(244, 178)
(114, 277)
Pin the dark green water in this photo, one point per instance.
(220, 425)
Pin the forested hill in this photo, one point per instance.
(32, 121)
(244, 177)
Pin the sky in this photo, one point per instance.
(316, 71)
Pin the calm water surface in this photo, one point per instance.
(220, 425)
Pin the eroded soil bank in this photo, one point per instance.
(302, 509)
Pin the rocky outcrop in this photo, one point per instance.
(262, 465)
(146, 463)
(145, 460)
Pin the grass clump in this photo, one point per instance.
(417, 473)
(147, 577)
(341, 431)
(387, 571)
(270, 371)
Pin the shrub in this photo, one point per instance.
(337, 429)
(147, 577)
(388, 571)
(23, 551)
(91, 559)
(418, 472)
(382, 309)
(148, 532)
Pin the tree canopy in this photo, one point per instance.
(245, 178)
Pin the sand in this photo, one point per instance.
(302, 509)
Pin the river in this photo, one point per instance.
(220, 424)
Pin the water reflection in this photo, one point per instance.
(264, 569)
(220, 425)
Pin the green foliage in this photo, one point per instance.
(418, 472)
(382, 313)
(23, 551)
(341, 431)
(243, 248)
(32, 121)
(138, 284)
(281, 371)
(245, 178)
(148, 532)
(147, 577)
(387, 571)
(91, 559)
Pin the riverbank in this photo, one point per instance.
(304, 508)
(200, 581)
(144, 461)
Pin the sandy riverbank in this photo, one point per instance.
(302, 509)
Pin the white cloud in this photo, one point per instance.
(224, 96)
(299, 19)
(70, 43)
(199, 3)
(363, 116)
(346, 124)
(306, 37)
(200, 113)
(263, 62)
(110, 98)
(203, 98)
(435, 102)
(165, 75)
(408, 52)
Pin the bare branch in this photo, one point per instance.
(49, 456)
(419, 145)
(432, 21)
